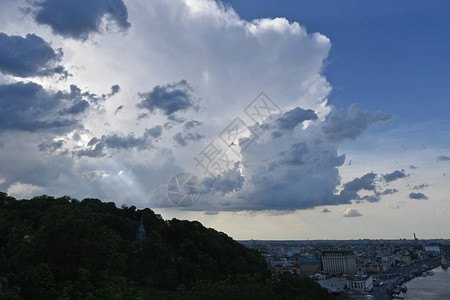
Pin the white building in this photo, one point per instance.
(360, 283)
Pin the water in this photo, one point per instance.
(430, 287)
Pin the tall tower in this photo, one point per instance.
(140, 234)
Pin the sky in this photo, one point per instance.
(287, 120)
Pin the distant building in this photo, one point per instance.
(140, 234)
(338, 262)
(372, 267)
(362, 283)
(308, 265)
(435, 249)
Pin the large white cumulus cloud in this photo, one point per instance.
(132, 142)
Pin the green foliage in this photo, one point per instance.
(62, 248)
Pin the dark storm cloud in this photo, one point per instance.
(169, 99)
(96, 146)
(227, 182)
(51, 146)
(394, 175)
(351, 189)
(78, 108)
(292, 118)
(29, 56)
(302, 182)
(154, 132)
(79, 18)
(183, 139)
(443, 158)
(29, 107)
(97, 151)
(365, 182)
(349, 124)
(418, 196)
(115, 141)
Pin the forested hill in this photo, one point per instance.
(62, 248)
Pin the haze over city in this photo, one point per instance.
(326, 121)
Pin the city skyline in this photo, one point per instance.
(289, 122)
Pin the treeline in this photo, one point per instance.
(62, 248)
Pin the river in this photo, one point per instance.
(430, 287)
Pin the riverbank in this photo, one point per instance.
(429, 287)
(402, 276)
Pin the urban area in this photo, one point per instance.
(360, 269)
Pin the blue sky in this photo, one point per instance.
(113, 103)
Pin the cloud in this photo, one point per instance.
(91, 97)
(78, 19)
(29, 57)
(77, 108)
(191, 124)
(365, 182)
(418, 196)
(297, 170)
(295, 155)
(115, 141)
(119, 108)
(114, 90)
(389, 192)
(412, 167)
(30, 107)
(394, 175)
(350, 213)
(290, 119)
(142, 116)
(182, 139)
(349, 124)
(227, 182)
(443, 158)
(24, 190)
(302, 176)
(169, 99)
(420, 186)
(211, 212)
(154, 132)
(51, 146)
